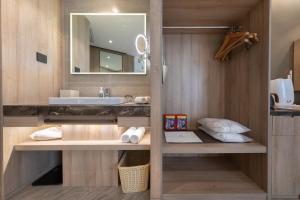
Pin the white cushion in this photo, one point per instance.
(223, 125)
(226, 137)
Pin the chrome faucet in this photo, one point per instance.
(104, 92)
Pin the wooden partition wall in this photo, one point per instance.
(156, 98)
(247, 91)
(30, 26)
(27, 27)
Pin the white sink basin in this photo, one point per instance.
(86, 100)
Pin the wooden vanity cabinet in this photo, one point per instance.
(285, 152)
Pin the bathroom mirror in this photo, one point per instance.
(105, 43)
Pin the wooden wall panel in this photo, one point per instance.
(156, 101)
(205, 12)
(90, 168)
(90, 132)
(88, 85)
(195, 81)
(285, 166)
(31, 26)
(21, 168)
(247, 90)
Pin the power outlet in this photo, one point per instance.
(41, 57)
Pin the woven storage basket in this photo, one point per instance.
(134, 177)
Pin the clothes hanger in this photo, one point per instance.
(234, 40)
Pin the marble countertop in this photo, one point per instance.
(285, 112)
(123, 110)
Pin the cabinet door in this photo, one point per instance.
(286, 166)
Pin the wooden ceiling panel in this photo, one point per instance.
(205, 12)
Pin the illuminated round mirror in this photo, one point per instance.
(141, 44)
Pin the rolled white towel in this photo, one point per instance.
(52, 133)
(125, 137)
(138, 135)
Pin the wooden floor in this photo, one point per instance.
(76, 193)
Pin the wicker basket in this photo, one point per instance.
(134, 171)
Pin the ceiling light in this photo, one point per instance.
(108, 57)
(115, 10)
(110, 41)
(106, 66)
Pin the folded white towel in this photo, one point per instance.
(52, 133)
(125, 137)
(138, 135)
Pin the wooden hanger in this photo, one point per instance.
(231, 40)
(235, 39)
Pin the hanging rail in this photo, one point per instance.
(197, 27)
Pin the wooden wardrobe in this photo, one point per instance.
(186, 35)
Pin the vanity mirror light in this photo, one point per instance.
(105, 43)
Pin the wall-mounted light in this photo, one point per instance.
(141, 44)
(115, 10)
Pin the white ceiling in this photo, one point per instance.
(120, 29)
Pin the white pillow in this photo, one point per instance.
(223, 125)
(52, 133)
(227, 137)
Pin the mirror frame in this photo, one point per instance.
(105, 73)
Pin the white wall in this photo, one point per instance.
(285, 29)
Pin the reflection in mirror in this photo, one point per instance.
(106, 43)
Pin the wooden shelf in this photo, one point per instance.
(207, 178)
(210, 145)
(81, 145)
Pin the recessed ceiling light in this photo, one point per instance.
(110, 41)
(115, 10)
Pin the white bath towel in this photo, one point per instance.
(52, 133)
(138, 135)
(125, 137)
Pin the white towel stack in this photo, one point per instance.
(133, 135)
(125, 137)
(52, 133)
